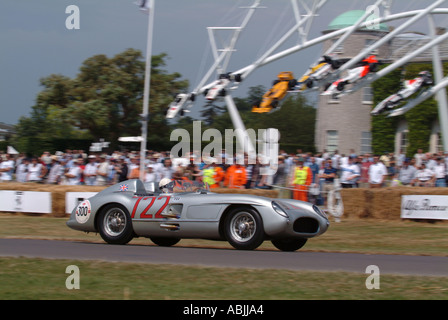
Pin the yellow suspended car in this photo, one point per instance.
(280, 88)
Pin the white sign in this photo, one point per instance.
(25, 201)
(424, 207)
(72, 199)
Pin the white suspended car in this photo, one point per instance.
(179, 105)
(410, 87)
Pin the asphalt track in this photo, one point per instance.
(315, 261)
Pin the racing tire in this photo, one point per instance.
(292, 83)
(289, 244)
(309, 83)
(115, 225)
(244, 228)
(341, 86)
(164, 242)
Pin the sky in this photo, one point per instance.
(35, 42)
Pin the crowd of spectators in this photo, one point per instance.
(297, 175)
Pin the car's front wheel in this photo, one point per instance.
(289, 244)
(244, 228)
(114, 224)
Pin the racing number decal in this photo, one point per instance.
(158, 215)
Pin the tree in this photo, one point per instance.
(103, 101)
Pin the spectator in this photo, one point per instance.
(122, 169)
(150, 176)
(349, 174)
(213, 175)
(6, 168)
(166, 171)
(365, 164)
(419, 157)
(90, 171)
(280, 178)
(301, 180)
(440, 172)
(235, 177)
(328, 175)
(103, 167)
(377, 173)
(56, 170)
(22, 170)
(406, 173)
(36, 171)
(74, 173)
(424, 177)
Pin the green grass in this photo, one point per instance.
(22, 278)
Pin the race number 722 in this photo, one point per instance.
(162, 201)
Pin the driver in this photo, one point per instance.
(166, 185)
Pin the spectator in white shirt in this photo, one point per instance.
(440, 172)
(36, 171)
(6, 169)
(377, 173)
(90, 171)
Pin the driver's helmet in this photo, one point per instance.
(424, 73)
(164, 184)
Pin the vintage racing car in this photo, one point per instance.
(318, 72)
(219, 88)
(367, 65)
(180, 105)
(278, 91)
(185, 209)
(410, 87)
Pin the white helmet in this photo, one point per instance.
(163, 184)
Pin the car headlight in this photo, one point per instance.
(319, 211)
(277, 208)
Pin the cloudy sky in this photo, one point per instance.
(34, 40)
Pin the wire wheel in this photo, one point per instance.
(244, 229)
(243, 226)
(114, 222)
(115, 225)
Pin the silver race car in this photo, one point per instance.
(184, 209)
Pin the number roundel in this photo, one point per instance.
(83, 211)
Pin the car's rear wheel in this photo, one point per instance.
(289, 244)
(114, 224)
(164, 242)
(244, 228)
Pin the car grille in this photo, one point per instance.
(306, 225)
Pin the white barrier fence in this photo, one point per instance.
(25, 201)
(424, 207)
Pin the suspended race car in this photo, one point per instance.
(219, 88)
(318, 72)
(338, 87)
(280, 88)
(179, 105)
(410, 87)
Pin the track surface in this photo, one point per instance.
(314, 261)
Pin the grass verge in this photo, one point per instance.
(23, 278)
